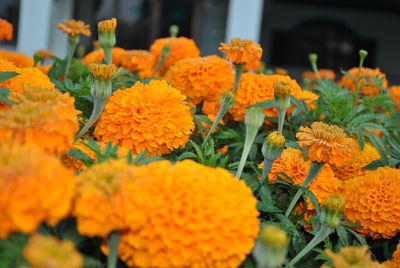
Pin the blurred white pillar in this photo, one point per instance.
(38, 20)
(244, 19)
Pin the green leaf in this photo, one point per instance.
(343, 235)
(7, 75)
(79, 155)
(313, 199)
(11, 250)
(267, 203)
(378, 144)
(263, 104)
(360, 239)
(4, 93)
(186, 155)
(360, 138)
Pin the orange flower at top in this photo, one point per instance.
(323, 73)
(107, 25)
(395, 94)
(240, 51)
(352, 257)
(366, 87)
(44, 53)
(103, 71)
(179, 48)
(141, 61)
(18, 59)
(373, 201)
(6, 30)
(326, 143)
(75, 27)
(202, 78)
(97, 56)
(395, 261)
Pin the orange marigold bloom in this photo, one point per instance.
(140, 61)
(44, 53)
(152, 117)
(6, 30)
(325, 143)
(395, 261)
(352, 257)
(201, 78)
(179, 48)
(240, 51)
(395, 94)
(323, 73)
(44, 68)
(354, 166)
(107, 25)
(42, 118)
(96, 56)
(18, 59)
(191, 221)
(29, 192)
(75, 27)
(373, 201)
(47, 251)
(78, 165)
(365, 82)
(281, 71)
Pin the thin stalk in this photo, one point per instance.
(112, 258)
(315, 168)
(250, 136)
(238, 74)
(267, 167)
(108, 55)
(281, 119)
(71, 52)
(218, 118)
(98, 108)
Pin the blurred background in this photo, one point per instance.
(288, 30)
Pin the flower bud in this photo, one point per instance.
(313, 57)
(273, 145)
(282, 94)
(254, 117)
(332, 211)
(227, 100)
(106, 29)
(173, 30)
(102, 80)
(363, 53)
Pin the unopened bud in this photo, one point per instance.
(106, 29)
(313, 58)
(332, 210)
(273, 145)
(282, 94)
(227, 100)
(173, 30)
(363, 53)
(254, 117)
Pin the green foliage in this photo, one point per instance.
(11, 251)
(5, 92)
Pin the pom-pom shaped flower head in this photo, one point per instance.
(201, 78)
(352, 257)
(152, 117)
(6, 30)
(18, 59)
(373, 201)
(366, 85)
(102, 77)
(325, 143)
(192, 222)
(47, 251)
(140, 61)
(75, 27)
(241, 51)
(29, 193)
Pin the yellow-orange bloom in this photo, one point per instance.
(325, 143)
(29, 192)
(366, 87)
(240, 51)
(18, 59)
(179, 48)
(152, 117)
(97, 56)
(6, 30)
(107, 25)
(201, 78)
(395, 94)
(323, 74)
(42, 118)
(395, 261)
(75, 27)
(352, 257)
(44, 53)
(141, 61)
(281, 71)
(192, 221)
(47, 251)
(373, 201)
(103, 71)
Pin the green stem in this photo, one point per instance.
(218, 118)
(251, 134)
(98, 108)
(267, 167)
(323, 233)
(281, 119)
(108, 55)
(238, 74)
(71, 52)
(112, 250)
(315, 168)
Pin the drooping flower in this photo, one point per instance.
(395, 94)
(191, 221)
(395, 261)
(47, 251)
(75, 27)
(240, 51)
(352, 257)
(201, 78)
(18, 59)
(141, 61)
(366, 87)
(373, 201)
(179, 48)
(152, 117)
(96, 56)
(323, 74)
(29, 192)
(325, 143)
(6, 30)
(42, 118)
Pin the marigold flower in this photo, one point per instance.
(352, 257)
(373, 201)
(75, 27)
(103, 71)
(201, 78)
(323, 74)
(192, 222)
(97, 56)
(395, 261)
(395, 94)
(18, 59)
(180, 48)
(6, 30)
(281, 71)
(141, 61)
(240, 51)
(44, 53)
(365, 81)
(47, 251)
(42, 118)
(107, 25)
(152, 117)
(325, 143)
(29, 192)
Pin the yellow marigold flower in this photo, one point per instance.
(354, 166)
(140, 61)
(152, 117)
(107, 25)
(323, 74)
(395, 261)
(6, 30)
(180, 48)
(240, 51)
(201, 78)
(352, 257)
(47, 251)
(366, 76)
(97, 56)
(192, 221)
(325, 143)
(44, 68)
(44, 53)
(103, 71)
(43, 118)
(253, 66)
(395, 94)
(75, 27)
(18, 59)
(373, 201)
(29, 192)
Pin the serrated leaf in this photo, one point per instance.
(378, 144)
(360, 239)
(4, 93)
(7, 75)
(186, 155)
(343, 235)
(313, 199)
(360, 138)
